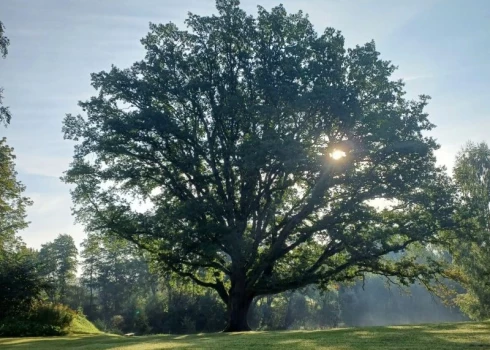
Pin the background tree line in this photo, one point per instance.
(120, 290)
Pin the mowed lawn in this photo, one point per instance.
(432, 337)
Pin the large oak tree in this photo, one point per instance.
(260, 145)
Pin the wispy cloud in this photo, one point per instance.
(42, 164)
(418, 77)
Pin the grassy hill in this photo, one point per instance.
(448, 336)
(80, 325)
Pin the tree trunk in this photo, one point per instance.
(238, 306)
(288, 319)
(238, 314)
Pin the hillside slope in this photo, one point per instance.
(80, 325)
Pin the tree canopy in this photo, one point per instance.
(21, 283)
(13, 203)
(58, 260)
(472, 177)
(262, 148)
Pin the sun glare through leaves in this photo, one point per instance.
(337, 154)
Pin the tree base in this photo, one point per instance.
(238, 307)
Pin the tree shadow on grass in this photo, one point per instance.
(458, 336)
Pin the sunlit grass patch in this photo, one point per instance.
(447, 336)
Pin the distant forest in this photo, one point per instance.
(120, 291)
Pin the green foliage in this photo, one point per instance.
(118, 280)
(46, 319)
(472, 176)
(53, 314)
(21, 284)
(117, 322)
(170, 305)
(25, 328)
(113, 271)
(4, 41)
(102, 325)
(228, 131)
(13, 203)
(58, 260)
(189, 325)
(42, 319)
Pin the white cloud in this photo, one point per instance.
(42, 165)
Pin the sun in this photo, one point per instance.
(337, 154)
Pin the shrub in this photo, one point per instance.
(11, 327)
(44, 319)
(101, 324)
(117, 322)
(52, 314)
(189, 325)
(21, 286)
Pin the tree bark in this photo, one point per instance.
(238, 315)
(238, 306)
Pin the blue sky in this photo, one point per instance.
(441, 47)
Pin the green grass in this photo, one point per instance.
(433, 337)
(80, 325)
